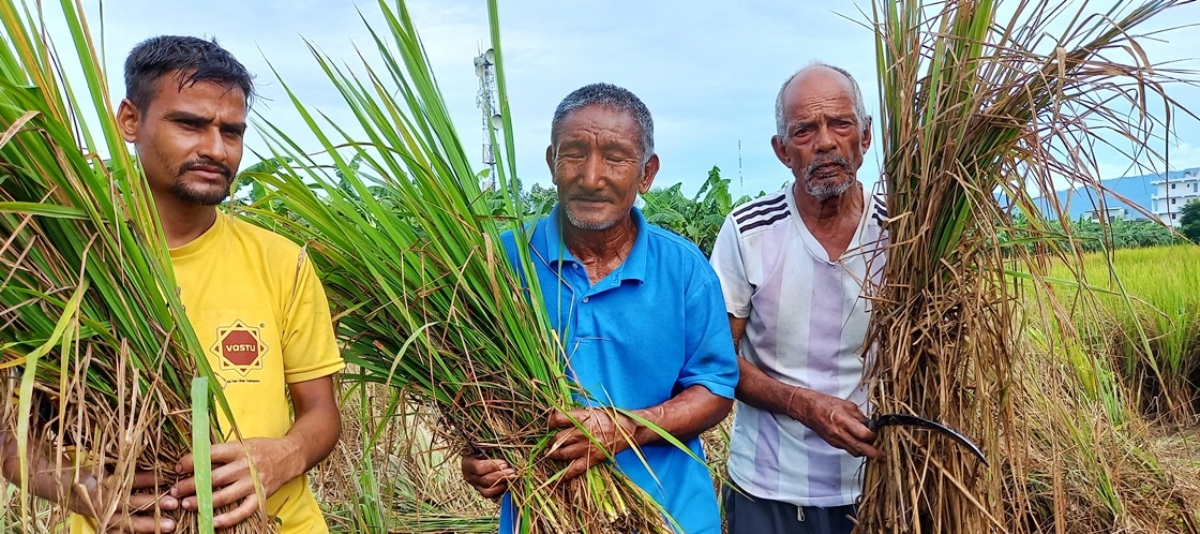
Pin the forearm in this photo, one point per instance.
(315, 438)
(48, 479)
(757, 389)
(684, 416)
(317, 427)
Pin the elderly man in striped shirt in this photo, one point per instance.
(792, 267)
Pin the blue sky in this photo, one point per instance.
(708, 70)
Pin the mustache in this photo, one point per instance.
(589, 198)
(206, 162)
(834, 159)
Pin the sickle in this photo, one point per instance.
(900, 419)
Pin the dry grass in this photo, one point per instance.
(976, 101)
(1091, 463)
(393, 472)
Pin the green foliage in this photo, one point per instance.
(538, 201)
(410, 248)
(1189, 221)
(1092, 236)
(698, 219)
(88, 304)
(1163, 371)
(976, 98)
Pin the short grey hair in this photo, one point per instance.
(860, 107)
(608, 96)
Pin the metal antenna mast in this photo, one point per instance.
(485, 69)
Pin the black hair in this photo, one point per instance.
(190, 59)
(612, 97)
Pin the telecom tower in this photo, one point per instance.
(485, 69)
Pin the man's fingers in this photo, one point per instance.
(860, 431)
(230, 494)
(145, 479)
(567, 419)
(571, 450)
(488, 476)
(223, 475)
(144, 503)
(230, 473)
(143, 524)
(871, 452)
(186, 465)
(859, 449)
(576, 468)
(237, 515)
(558, 420)
(478, 467)
(223, 453)
(564, 438)
(493, 479)
(492, 492)
(184, 488)
(491, 485)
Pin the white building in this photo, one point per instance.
(1175, 192)
(1110, 214)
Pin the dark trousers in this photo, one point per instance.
(749, 515)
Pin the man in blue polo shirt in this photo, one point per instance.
(639, 308)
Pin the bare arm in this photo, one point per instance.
(48, 481)
(684, 416)
(838, 421)
(311, 438)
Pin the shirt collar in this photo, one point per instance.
(554, 249)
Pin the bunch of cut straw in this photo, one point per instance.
(88, 310)
(974, 105)
(428, 301)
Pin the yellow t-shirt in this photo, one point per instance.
(261, 315)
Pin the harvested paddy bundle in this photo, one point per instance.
(979, 101)
(92, 335)
(427, 300)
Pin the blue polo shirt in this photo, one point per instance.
(649, 330)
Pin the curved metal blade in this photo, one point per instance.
(900, 419)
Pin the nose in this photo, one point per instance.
(824, 140)
(593, 172)
(212, 145)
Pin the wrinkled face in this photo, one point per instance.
(824, 141)
(189, 139)
(596, 163)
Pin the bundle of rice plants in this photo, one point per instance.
(91, 330)
(426, 298)
(979, 100)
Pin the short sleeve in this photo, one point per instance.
(309, 348)
(730, 266)
(710, 358)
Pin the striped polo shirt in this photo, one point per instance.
(806, 325)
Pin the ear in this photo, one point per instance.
(550, 164)
(866, 135)
(781, 151)
(128, 118)
(648, 174)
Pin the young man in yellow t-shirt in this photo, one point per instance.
(252, 297)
